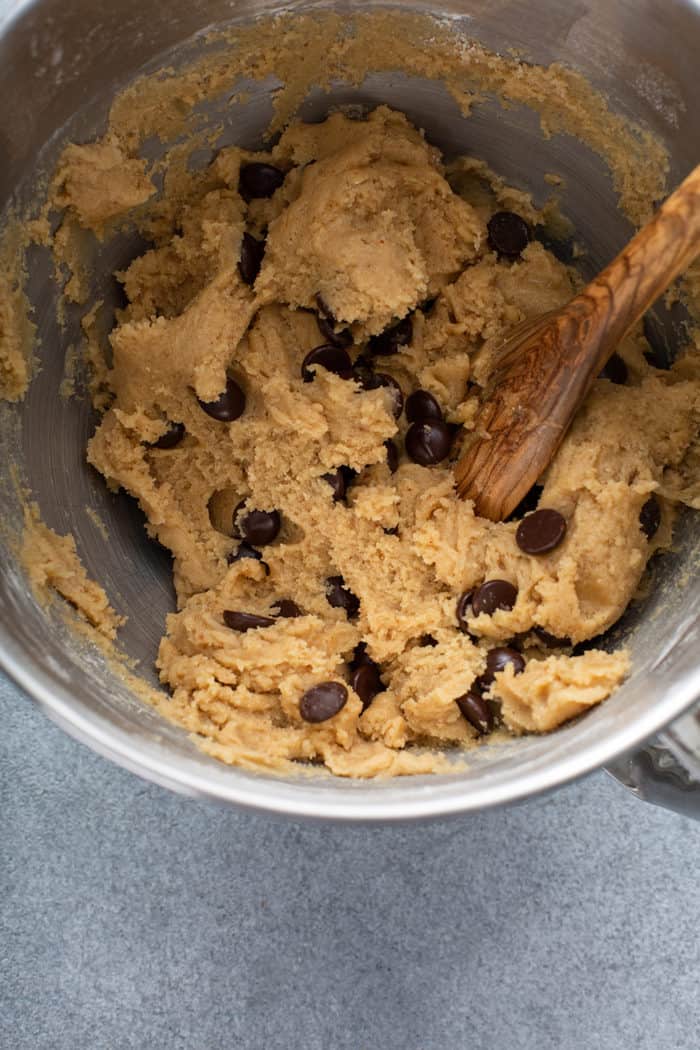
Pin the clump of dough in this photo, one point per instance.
(366, 219)
(374, 227)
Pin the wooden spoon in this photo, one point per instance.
(546, 367)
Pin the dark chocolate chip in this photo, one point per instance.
(427, 306)
(229, 405)
(243, 621)
(172, 436)
(650, 517)
(427, 641)
(360, 656)
(258, 527)
(336, 480)
(341, 597)
(363, 374)
(392, 455)
(332, 358)
(287, 609)
(323, 701)
(392, 339)
(252, 251)
(429, 442)
(259, 180)
(550, 641)
(349, 473)
(476, 711)
(368, 379)
(527, 504)
(464, 610)
(366, 682)
(387, 381)
(509, 234)
(497, 660)
(541, 531)
(421, 406)
(493, 595)
(327, 326)
(365, 368)
(615, 370)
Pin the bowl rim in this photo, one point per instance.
(270, 794)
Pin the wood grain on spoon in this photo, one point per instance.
(546, 367)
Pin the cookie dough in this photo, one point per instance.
(326, 574)
(53, 566)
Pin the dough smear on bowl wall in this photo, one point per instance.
(286, 382)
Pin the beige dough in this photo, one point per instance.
(367, 218)
(53, 565)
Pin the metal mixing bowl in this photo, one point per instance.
(60, 65)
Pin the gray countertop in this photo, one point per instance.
(134, 918)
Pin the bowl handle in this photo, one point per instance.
(666, 771)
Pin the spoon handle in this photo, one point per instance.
(643, 270)
(546, 367)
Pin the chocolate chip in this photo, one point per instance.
(364, 375)
(509, 234)
(550, 641)
(336, 480)
(391, 339)
(464, 610)
(327, 326)
(243, 621)
(541, 531)
(650, 517)
(246, 551)
(427, 641)
(429, 442)
(258, 527)
(476, 711)
(252, 251)
(497, 660)
(427, 306)
(527, 504)
(341, 597)
(387, 381)
(421, 406)
(368, 379)
(392, 455)
(394, 531)
(172, 436)
(332, 358)
(366, 682)
(259, 180)
(493, 595)
(360, 656)
(229, 405)
(287, 609)
(323, 701)
(364, 371)
(615, 370)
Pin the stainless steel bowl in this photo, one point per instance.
(60, 65)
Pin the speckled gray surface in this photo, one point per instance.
(133, 918)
